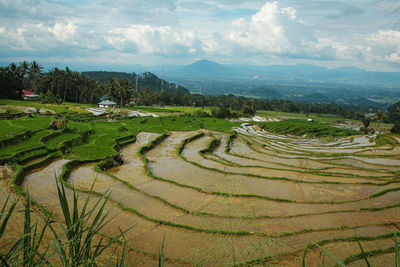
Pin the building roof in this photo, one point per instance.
(107, 102)
(28, 93)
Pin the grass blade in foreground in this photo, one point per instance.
(339, 262)
(8, 215)
(363, 254)
(396, 250)
(161, 254)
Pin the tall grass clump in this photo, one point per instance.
(27, 249)
(78, 243)
(80, 229)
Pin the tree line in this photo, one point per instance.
(64, 85)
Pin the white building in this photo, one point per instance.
(107, 104)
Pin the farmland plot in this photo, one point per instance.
(253, 199)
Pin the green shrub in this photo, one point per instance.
(122, 129)
(49, 98)
(201, 113)
(221, 113)
(249, 111)
(396, 128)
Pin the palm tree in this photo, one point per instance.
(24, 68)
(13, 67)
(34, 71)
(57, 80)
(78, 83)
(111, 87)
(67, 77)
(124, 90)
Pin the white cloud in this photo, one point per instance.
(153, 39)
(383, 46)
(274, 30)
(378, 47)
(41, 37)
(232, 31)
(63, 32)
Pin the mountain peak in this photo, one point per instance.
(205, 67)
(204, 62)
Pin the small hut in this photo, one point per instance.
(107, 104)
(29, 95)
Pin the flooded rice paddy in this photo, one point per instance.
(258, 198)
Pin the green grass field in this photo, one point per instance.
(103, 136)
(9, 128)
(303, 127)
(325, 118)
(183, 109)
(65, 107)
(32, 142)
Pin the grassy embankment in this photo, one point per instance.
(63, 108)
(303, 127)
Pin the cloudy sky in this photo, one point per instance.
(363, 33)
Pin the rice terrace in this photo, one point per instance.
(277, 189)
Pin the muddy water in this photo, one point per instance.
(310, 149)
(84, 176)
(42, 188)
(254, 158)
(275, 149)
(217, 250)
(133, 170)
(251, 207)
(176, 169)
(290, 225)
(286, 148)
(241, 148)
(191, 153)
(156, 209)
(361, 164)
(121, 193)
(179, 171)
(379, 161)
(41, 183)
(168, 147)
(210, 249)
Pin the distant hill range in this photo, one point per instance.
(146, 79)
(206, 69)
(306, 83)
